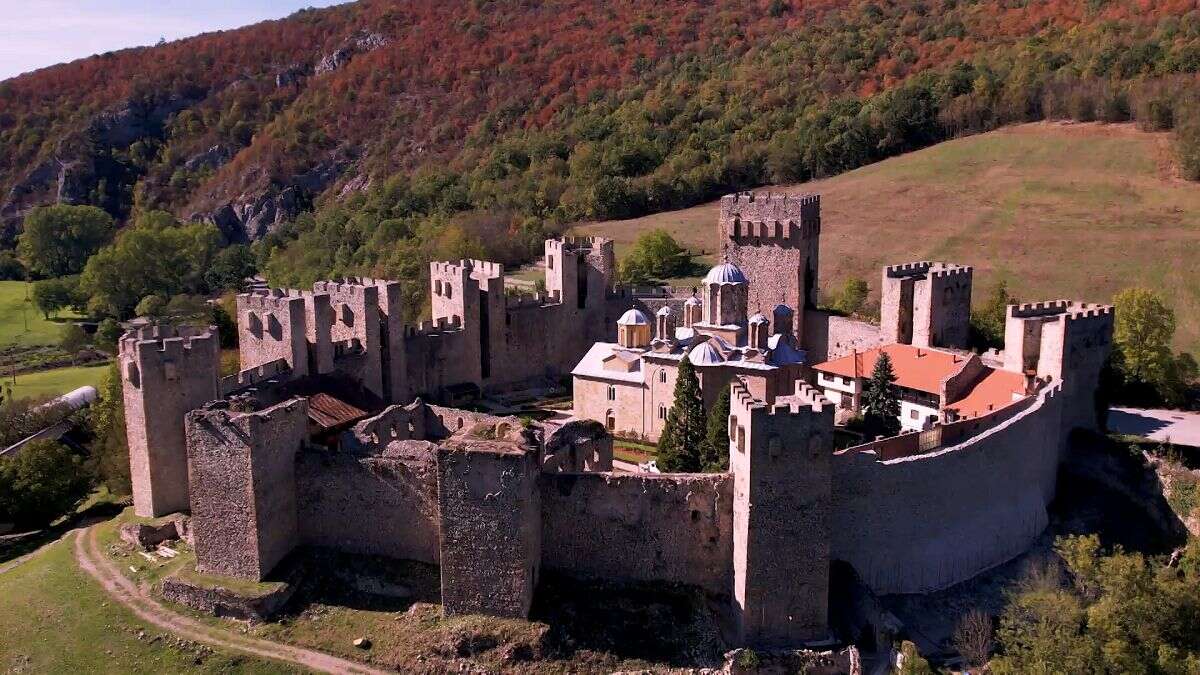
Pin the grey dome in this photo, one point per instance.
(665, 311)
(633, 317)
(704, 354)
(758, 318)
(725, 273)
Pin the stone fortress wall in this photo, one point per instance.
(494, 502)
(924, 522)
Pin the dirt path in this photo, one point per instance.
(124, 591)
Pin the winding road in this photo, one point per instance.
(126, 592)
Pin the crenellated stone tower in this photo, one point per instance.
(1066, 341)
(165, 372)
(775, 240)
(779, 455)
(926, 304)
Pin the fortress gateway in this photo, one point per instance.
(330, 436)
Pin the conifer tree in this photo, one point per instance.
(716, 437)
(882, 414)
(679, 446)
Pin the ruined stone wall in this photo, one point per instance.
(354, 331)
(828, 336)
(243, 486)
(577, 445)
(959, 383)
(439, 355)
(490, 528)
(165, 372)
(923, 523)
(383, 503)
(662, 527)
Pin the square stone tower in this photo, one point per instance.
(243, 501)
(926, 304)
(580, 270)
(1066, 341)
(274, 325)
(775, 240)
(165, 372)
(780, 457)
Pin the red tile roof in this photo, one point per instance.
(993, 392)
(919, 368)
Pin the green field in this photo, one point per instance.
(56, 619)
(16, 313)
(1058, 210)
(55, 382)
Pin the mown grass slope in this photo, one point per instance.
(56, 619)
(54, 382)
(20, 321)
(1058, 210)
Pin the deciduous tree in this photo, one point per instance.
(58, 240)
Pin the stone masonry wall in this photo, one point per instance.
(384, 504)
(664, 527)
(828, 336)
(923, 523)
(243, 480)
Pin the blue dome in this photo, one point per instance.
(633, 317)
(725, 273)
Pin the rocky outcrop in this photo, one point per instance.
(254, 215)
(212, 158)
(359, 43)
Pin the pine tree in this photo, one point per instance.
(882, 415)
(716, 436)
(680, 444)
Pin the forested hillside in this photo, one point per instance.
(371, 137)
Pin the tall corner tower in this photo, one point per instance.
(165, 373)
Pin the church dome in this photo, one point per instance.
(691, 302)
(725, 273)
(783, 309)
(633, 317)
(665, 311)
(758, 318)
(704, 354)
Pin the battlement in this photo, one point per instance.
(252, 376)
(167, 342)
(273, 300)
(923, 268)
(527, 300)
(1029, 310)
(576, 244)
(442, 325)
(805, 398)
(351, 286)
(767, 206)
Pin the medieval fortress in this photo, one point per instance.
(340, 429)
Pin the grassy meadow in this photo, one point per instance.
(54, 618)
(16, 312)
(54, 382)
(1058, 210)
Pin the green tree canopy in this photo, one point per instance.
(853, 296)
(51, 296)
(987, 323)
(680, 445)
(655, 255)
(1143, 329)
(40, 482)
(881, 416)
(230, 268)
(58, 240)
(146, 260)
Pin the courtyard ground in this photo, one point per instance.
(1057, 210)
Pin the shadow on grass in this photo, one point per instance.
(15, 545)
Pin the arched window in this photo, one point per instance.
(549, 262)
(662, 411)
(610, 420)
(612, 393)
(662, 375)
